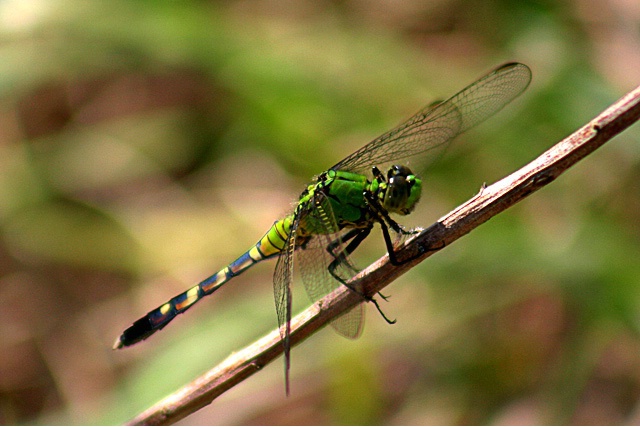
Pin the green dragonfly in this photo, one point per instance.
(339, 208)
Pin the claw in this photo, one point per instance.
(384, 316)
(384, 297)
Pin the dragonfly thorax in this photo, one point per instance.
(401, 191)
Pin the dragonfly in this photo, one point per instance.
(337, 211)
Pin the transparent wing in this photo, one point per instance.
(282, 280)
(315, 258)
(433, 127)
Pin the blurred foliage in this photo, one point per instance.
(145, 144)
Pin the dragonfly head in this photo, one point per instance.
(403, 190)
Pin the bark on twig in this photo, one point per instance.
(489, 202)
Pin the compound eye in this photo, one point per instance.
(397, 182)
(397, 170)
(393, 171)
(397, 193)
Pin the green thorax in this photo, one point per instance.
(344, 193)
(340, 196)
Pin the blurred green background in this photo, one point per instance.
(146, 144)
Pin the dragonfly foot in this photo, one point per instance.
(410, 231)
(384, 297)
(384, 316)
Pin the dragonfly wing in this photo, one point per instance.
(318, 282)
(429, 131)
(282, 280)
(315, 257)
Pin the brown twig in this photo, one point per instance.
(489, 202)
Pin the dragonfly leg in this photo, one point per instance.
(357, 235)
(377, 174)
(350, 235)
(384, 219)
(384, 316)
(384, 297)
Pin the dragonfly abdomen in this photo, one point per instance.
(271, 244)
